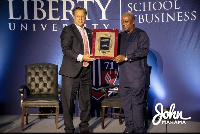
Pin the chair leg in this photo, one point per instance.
(22, 121)
(57, 114)
(26, 116)
(102, 117)
(120, 116)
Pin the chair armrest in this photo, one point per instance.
(59, 93)
(59, 90)
(21, 89)
(24, 90)
(106, 89)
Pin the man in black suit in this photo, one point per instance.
(134, 48)
(76, 73)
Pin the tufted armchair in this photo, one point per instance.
(115, 101)
(41, 90)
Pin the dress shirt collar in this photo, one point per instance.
(79, 28)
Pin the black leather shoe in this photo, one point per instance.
(128, 132)
(84, 131)
(69, 131)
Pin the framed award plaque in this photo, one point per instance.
(105, 43)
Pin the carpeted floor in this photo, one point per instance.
(12, 124)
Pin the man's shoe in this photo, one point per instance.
(84, 131)
(125, 131)
(69, 131)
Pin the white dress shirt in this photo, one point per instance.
(80, 56)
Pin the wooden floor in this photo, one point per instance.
(12, 124)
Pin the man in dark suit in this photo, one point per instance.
(76, 73)
(134, 48)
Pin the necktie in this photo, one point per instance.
(86, 49)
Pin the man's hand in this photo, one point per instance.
(87, 58)
(119, 58)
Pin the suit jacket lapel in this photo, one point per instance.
(76, 31)
(89, 34)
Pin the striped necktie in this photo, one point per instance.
(86, 49)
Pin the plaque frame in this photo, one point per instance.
(106, 36)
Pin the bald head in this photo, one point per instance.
(129, 14)
(128, 22)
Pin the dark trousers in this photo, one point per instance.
(70, 86)
(132, 101)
